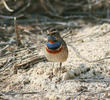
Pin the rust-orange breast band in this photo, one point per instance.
(54, 51)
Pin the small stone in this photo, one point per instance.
(77, 72)
(55, 70)
(26, 81)
(40, 72)
(82, 88)
(82, 65)
(108, 72)
(64, 70)
(52, 97)
(49, 71)
(68, 75)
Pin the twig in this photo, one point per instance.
(22, 8)
(99, 92)
(7, 43)
(7, 64)
(25, 64)
(17, 93)
(89, 80)
(11, 17)
(17, 33)
(52, 8)
(43, 4)
(74, 98)
(2, 50)
(98, 97)
(6, 6)
(43, 92)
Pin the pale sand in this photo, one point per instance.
(93, 43)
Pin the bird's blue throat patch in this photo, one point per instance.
(53, 46)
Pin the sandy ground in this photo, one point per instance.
(77, 80)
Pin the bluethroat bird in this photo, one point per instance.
(56, 49)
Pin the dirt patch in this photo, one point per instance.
(77, 78)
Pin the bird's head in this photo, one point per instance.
(53, 36)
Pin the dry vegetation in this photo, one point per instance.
(25, 73)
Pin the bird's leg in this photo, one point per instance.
(53, 65)
(60, 71)
(60, 67)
